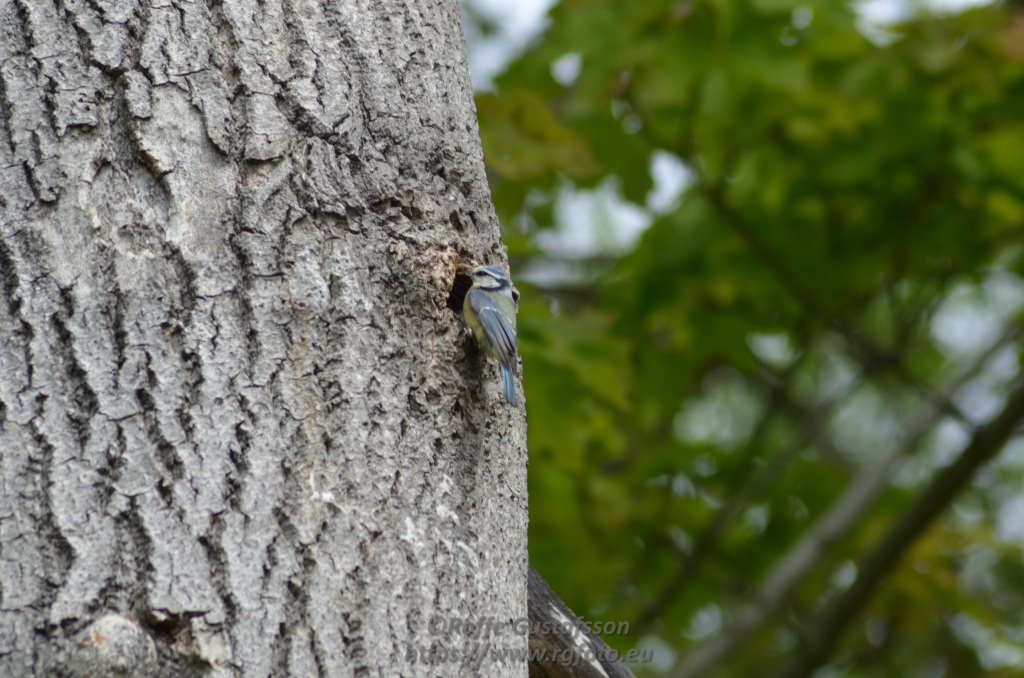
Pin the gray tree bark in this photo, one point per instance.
(241, 432)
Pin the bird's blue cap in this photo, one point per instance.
(493, 271)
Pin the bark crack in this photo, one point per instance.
(60, 552)
(83, 402)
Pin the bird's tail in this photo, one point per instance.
(508, 385)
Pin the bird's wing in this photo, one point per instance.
(496, 324)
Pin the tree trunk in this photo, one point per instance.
(241, 432)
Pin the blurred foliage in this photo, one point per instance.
(850, 245)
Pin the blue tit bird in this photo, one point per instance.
(490, 313)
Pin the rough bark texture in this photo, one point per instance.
(241, 432)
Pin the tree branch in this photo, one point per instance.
(751, 488)
(824, 631)
(554, 654)
(830, 527)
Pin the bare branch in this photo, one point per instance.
(824, 631)
(830, 527)
(750, 490)
(577, 654)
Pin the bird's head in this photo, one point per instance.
(489, 278)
